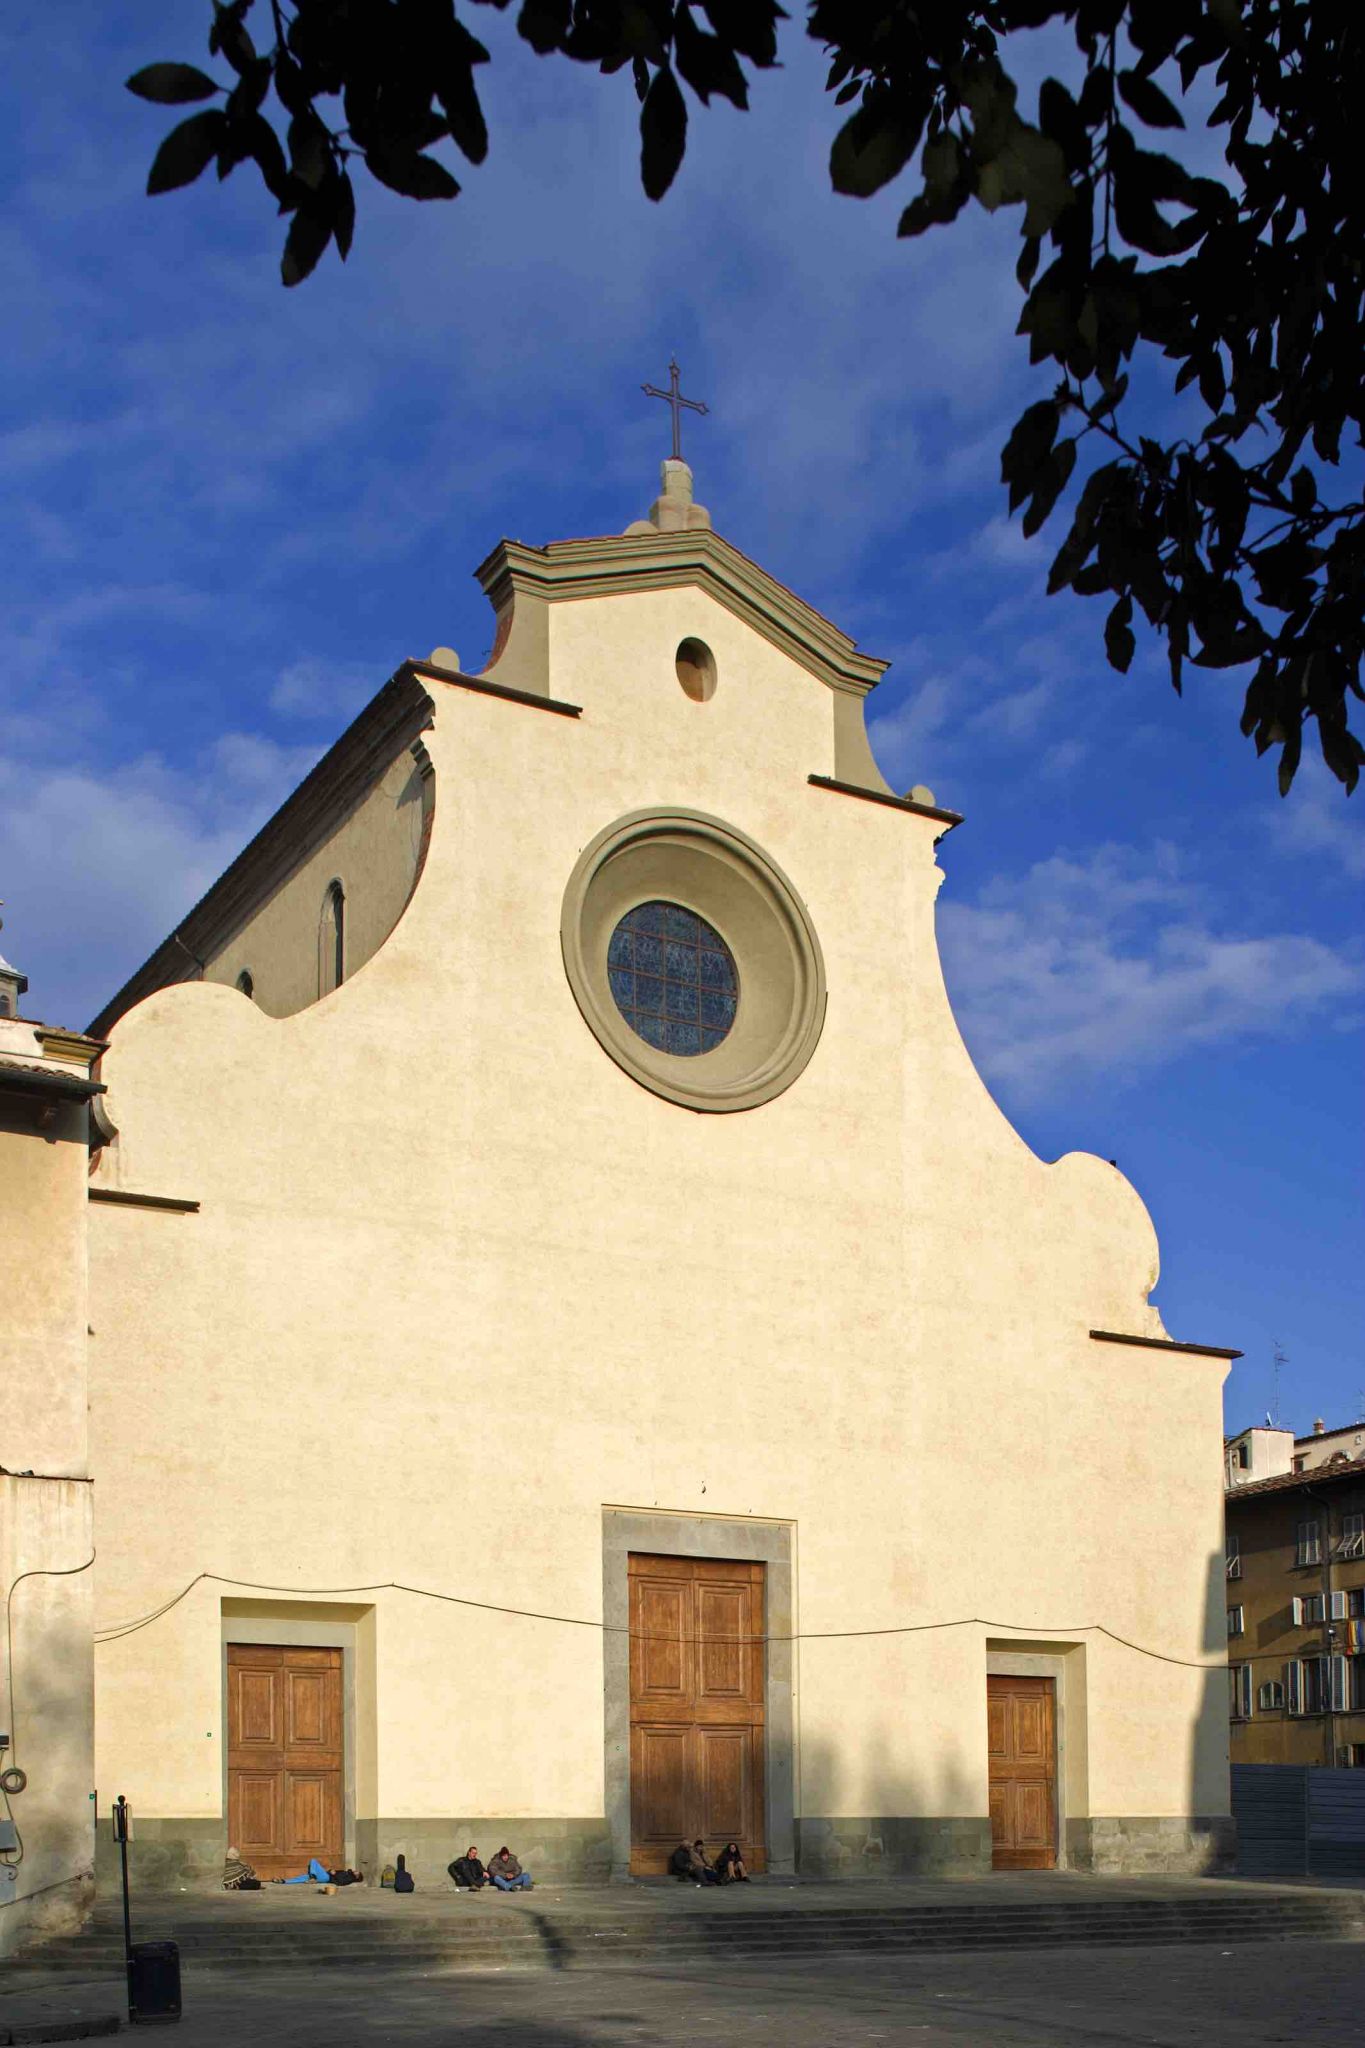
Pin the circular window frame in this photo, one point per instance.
(712, 868)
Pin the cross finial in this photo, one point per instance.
(676, 404)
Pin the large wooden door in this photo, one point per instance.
(1023, 1773)
(697, 1671)
(284, 1757)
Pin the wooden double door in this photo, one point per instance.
(697, 1719)
(1022, 1721)
(285, 1757)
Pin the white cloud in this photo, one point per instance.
(331, 690)
(1317, 818)
(97, 867)
(1114, 961)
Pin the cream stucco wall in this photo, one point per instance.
(456, 1282)
(46, 1683)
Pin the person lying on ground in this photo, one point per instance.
(467, 1871)
(730, 1865)
(507, 1874)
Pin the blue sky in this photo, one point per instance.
(229, 511)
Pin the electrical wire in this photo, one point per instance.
(69, 1571)
(117, 1632)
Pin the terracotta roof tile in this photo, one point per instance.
(1284, 1482)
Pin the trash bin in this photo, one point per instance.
(154, 1981)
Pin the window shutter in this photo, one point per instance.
(1297, 1608)
(1340, 1690)
(1293, 1685)
(1338, 1607)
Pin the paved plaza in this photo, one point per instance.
(1308, 1993)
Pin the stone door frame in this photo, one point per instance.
(659, 1533)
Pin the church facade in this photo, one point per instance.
(577, 1356)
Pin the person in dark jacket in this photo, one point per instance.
(690, 1865)
(730, 1865)
(507, 1874)
(467, 1871)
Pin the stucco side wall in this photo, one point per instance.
(45, 1537)
(374, 854)
(42, 1286)
(457, 1283)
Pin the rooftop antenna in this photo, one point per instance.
(1279, 1360)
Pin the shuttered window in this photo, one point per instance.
(1309, 1545)
(1352, 1536)
(1234, 1621)
(1239, 1690)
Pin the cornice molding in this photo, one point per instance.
(1163, 1344)
(72, 1046)
(618, 563)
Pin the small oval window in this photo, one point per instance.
(696, 670)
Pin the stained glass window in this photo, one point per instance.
(673, 978)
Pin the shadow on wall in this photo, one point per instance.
(915, 1826)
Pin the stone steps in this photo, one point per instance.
(528, 1938)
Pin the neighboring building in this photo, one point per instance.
(1328, 1446)
(1259, 1453)
(46, 1686)
(1295, 1560)
(537, 1263)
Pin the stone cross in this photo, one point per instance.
(676, 403)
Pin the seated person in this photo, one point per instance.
(680, 1863)
(730, 1865)
(238, 1875)
(467, 1871)
(507, 1874)
(697, 1869)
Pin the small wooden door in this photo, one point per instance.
(697, 1674)
(284, 1757)
(1023, 1773)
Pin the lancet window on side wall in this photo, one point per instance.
(332, 940)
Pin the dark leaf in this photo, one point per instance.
(187, 151)
(663, 134)
(172, 85)
(415, 176)
(748, 26)
(343, 216)
(1060, 118)
(229, 38)
(265, 146)
(1148, 101)
(1028, 447)
(706, 63)
(1303, 490)
(310, 150)
(875, 144)
(309, 233)
(544, 24)
(1120, 642)
(1051, 484)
